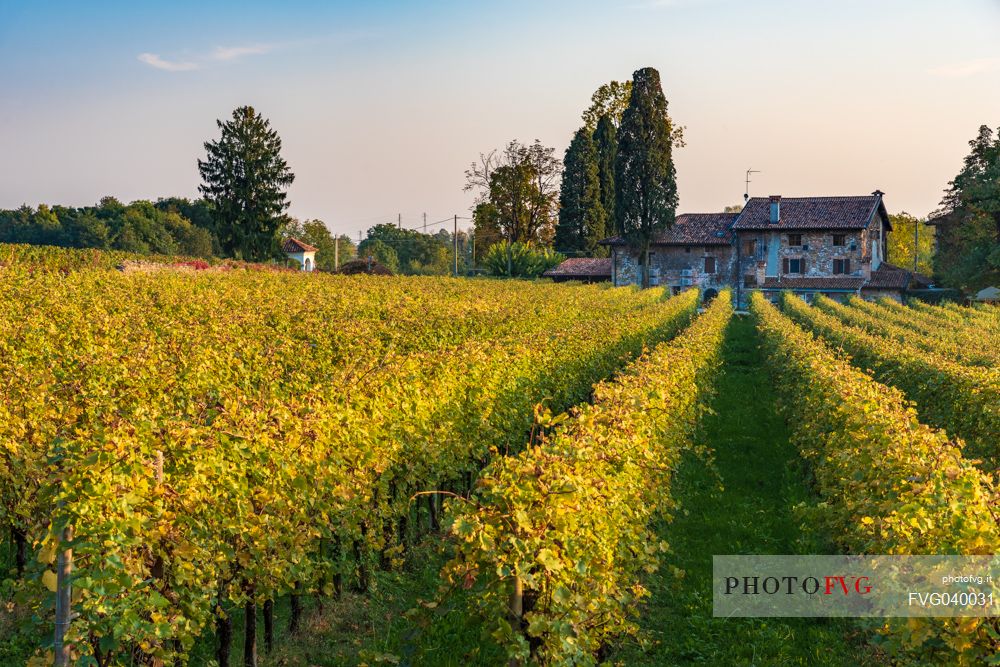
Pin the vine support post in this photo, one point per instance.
(432, 521)
(250, 632)
(158, 567)
(20, 542)
(64, 596)
(516, 609)
(338, 577)
(268, 625)
(224, 632)
(296, 614)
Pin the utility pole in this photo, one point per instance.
(916, 239)
(473, 252)
(425, 223)
(336, 253)
(454, 238)
(399, 221)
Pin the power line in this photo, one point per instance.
(429, 224)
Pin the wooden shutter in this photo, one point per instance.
(847, 266)
(802, 266)
(784, 265)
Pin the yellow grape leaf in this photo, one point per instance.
(47, 554)
(49, 579)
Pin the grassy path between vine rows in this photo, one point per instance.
(743, 507)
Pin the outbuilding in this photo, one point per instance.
(584, 269)
(301, 252)
(988, 295)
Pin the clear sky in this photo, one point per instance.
(381, 105)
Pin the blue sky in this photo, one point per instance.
(382, 105)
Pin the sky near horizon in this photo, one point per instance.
(382, 105)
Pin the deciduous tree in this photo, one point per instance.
(415, 253)
(899, 243)
(521, 183)
(610, 100)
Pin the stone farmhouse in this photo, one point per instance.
(835, 246)
(698, 251)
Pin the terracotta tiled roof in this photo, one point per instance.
(583, 267)
(295, 245)
(692, 229)
(809, 213)
(814, 282)
(888, 276)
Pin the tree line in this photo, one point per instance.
(164, 227)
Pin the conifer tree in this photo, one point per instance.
(606, 142)
(581, 215)
(645, 179)
(245, 179)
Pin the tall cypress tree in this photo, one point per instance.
(606, 142)
(645, 179)
(244, 179)
(581, 216)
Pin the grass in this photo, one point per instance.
(740, 504)
(377, 628)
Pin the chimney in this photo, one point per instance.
(878, 193)
(775, 209)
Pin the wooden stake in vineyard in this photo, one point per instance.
(64, 596)
(516, 608)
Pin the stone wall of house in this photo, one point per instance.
(678, 267)
(818, 257)
(624, 267)
(821, 252)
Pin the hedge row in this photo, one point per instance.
(964, 400)
(556, 540)
(887, 483)
(962, 344)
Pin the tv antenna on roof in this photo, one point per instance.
(746, 193)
